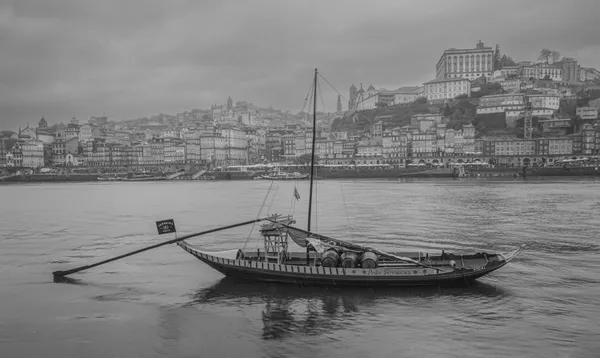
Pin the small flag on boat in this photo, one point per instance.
(296, 194)
(165, 226)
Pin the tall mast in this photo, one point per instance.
(312, 161)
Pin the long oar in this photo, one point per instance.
(355, 246)
(59, 274)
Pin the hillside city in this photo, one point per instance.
(481, 104)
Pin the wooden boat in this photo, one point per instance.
(334, 262)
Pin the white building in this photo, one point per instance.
(85, 132)
(587, 112)
(446, 89)
(539, 101)
(466, 63)
(542, 70)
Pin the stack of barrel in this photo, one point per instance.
(348, 259)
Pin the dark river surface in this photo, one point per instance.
(165, 303)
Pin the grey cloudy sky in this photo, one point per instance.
(133, 58)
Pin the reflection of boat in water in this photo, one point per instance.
(290, 310)
(333, 262)
(231, 288)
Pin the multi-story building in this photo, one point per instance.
(157, 150)
(588, 139)
(236, 145)
(13, 153)
(544, 101)
(174, 151)
(367, 99)
(135, 154)
(300, 145)
(570, 70)
(117, 154)
(72, 131)
(288, 141)
(3, 152)
(587, 112)
(468, 134)
(369, 151)
(424, 121)
(62, 147)
(510, 85)
(394, 146)
(33, 153)
(560, 146)
(556, 125)
(324, 149)
(466, 63)
(423, 144)
(498, 103)
(192, 150)
(541, 71)
(514, 147)
(445, 89)
(85, 132)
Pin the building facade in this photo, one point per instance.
(446, 89)
(466, 63)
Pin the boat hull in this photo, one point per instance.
(337, 276)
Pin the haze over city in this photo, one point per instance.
(66, 58)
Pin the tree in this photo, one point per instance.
(497, 59)
(546, 55)
(421, 100)
(506, 61)
(447, 110)
(381, 104)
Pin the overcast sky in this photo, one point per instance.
(133, 58)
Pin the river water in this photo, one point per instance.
(165, 303)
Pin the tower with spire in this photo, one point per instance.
(352, 100)
(229, 103)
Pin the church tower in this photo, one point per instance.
(229, 103)
(339, 104)
(353, 94)
(43, 123)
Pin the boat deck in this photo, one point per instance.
(434, 260)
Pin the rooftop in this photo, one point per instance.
(460, 79)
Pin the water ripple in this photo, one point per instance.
(167, 303)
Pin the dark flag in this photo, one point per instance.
(296, 194)
(165, 226)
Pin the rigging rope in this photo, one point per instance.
(257, 216)
(344, 97)
(350, 226)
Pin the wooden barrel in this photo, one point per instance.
(368, 260)
(330, 258)
(349, 260)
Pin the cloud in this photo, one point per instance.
(134, 58)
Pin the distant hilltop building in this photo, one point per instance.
(362, 100)
(466, 63)
(43, 123)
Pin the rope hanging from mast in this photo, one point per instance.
(258, 215)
